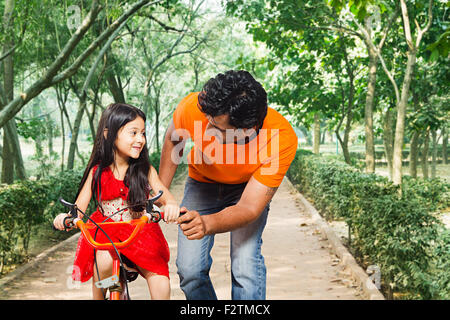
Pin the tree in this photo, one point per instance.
(314, 56)
(11, 146)
(54, 73)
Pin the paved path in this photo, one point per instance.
(300, 263)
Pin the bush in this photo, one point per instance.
(28, 204)
(398, 233)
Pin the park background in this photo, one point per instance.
(364, 83)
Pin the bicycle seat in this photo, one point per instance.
(131, 269)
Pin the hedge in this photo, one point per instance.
(26, 205)
(400, 234)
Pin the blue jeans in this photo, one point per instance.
(248, 271)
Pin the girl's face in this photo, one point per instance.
(131, 139)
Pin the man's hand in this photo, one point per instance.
(254, 199)
(192, 225)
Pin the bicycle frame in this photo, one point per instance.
(114, 279)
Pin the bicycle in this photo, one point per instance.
(117, 284)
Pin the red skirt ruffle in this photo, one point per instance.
(149, 250)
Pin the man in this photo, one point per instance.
(242, 150)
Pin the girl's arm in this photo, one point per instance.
(85, 195)
(82, 202)
(171, 208)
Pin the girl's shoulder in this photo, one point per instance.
(106, 171)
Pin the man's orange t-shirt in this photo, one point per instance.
(266, 157)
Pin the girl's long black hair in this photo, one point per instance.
(114, 117)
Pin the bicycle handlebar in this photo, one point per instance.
(68, 221)
(85, 227)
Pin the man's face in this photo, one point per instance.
(220, 127)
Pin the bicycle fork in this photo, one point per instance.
(113, 283)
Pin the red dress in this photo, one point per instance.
(149, 250)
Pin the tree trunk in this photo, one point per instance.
(368, 114)
(113, 83)
(388, 139)
(63, 137)
(344, 143)
(7, 164)
(348, 127)
(50, 135)
(11, 128)
(64, 110)
(400, 125)
(8, 76)
(316, 147)
(322, 139)
(413, 154)
(76, 129)
(433, 154)
(425, 154)
(344, 146)
(39, 150)
(157, 109)
(444, 145)
(413, 47)
(62, 93)
(351, 96)
(307, 135)
(91, 120)
(157, 114)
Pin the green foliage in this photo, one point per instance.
(154, 160)
(400, 234)
(440, 47)
(312, 72)
(32, 129)
(433, 193)
(27, 205)
(441, 281)
(15, 224)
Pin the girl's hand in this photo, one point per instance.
(58, 221)
(171, 212)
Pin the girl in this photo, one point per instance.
(119, 175)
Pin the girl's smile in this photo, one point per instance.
(131, 139)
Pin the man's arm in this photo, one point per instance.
(167, 167)
(254, 199)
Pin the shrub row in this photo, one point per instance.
(27, 204)
(400, 234)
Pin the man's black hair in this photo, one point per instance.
(237, 94)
